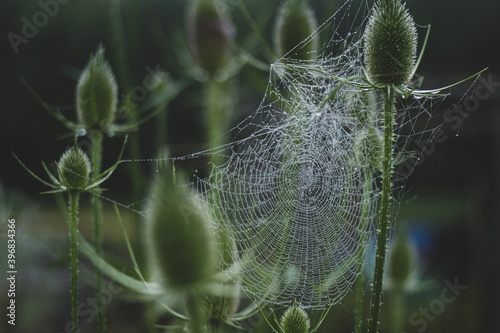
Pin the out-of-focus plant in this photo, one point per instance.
(73, 178)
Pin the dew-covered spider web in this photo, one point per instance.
(297, 196)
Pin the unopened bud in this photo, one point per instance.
(390, 44)
(401, 257)
(74, 168)
(181, 244)
(210, 32)
(294, 24)
(295, 320)
(97, 93)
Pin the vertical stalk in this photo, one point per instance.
(398, 308)
(119, 43)
(359, 282)
(73, 213)
(125, 78)
(376, 301)
(216, 101)
(161, 129)
(96, 139)
(196, 316)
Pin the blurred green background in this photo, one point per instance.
(451, 204)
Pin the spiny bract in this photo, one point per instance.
(390, 44)
(74, 168)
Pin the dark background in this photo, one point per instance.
(452, 202)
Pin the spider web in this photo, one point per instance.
(297, 196)
(294, 195)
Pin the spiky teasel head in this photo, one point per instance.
(96, 93)
(295, 23)
(178, 234)
(295, 320)
(390, 44)
(210, 32)
(74, 169)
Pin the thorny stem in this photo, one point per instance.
(96, 139)
(73, 212)
(376, 301)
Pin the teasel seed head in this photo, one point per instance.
(295, 23)
(295, 320)
(390, 44)
(97, 93)
(210, 32)
(74, 169)
(181, 245)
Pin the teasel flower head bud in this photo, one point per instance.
(97, 93)
(295, 23)
(295, 320)
(181, 245)
(401, 257)
(390, 44)
(74, 169)
(210, 33)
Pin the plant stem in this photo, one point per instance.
(376, 301)
(73, 212)
(359, 282)
(125, 78)
(119, 43)
(217, 101)
(398, 308)
(193, 308)
(161, 129)
(96, 139)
